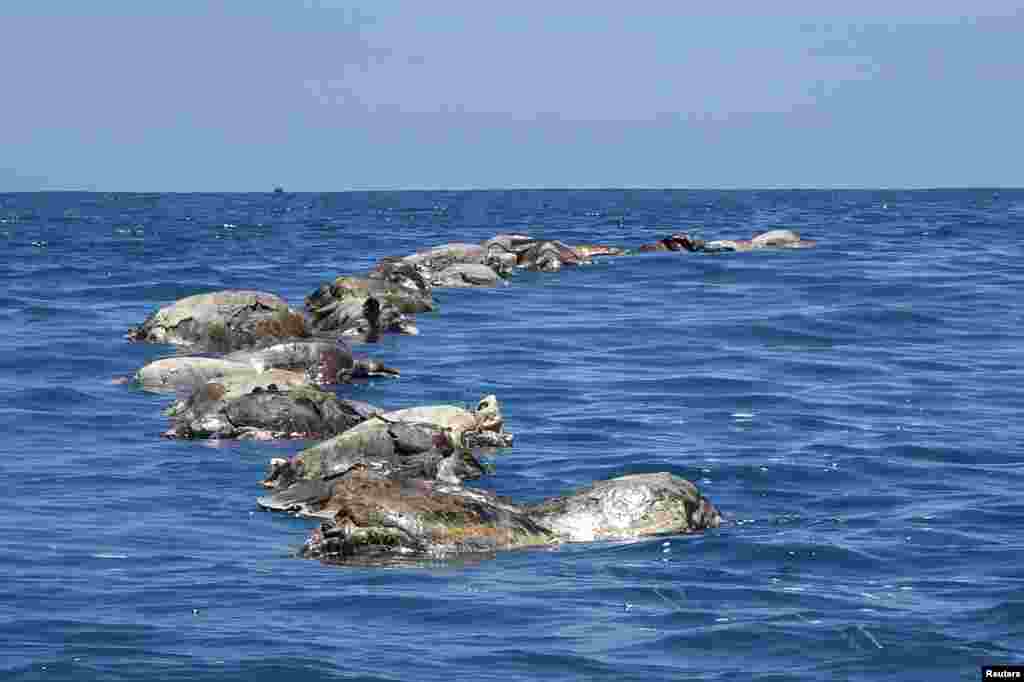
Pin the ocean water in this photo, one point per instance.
(854, 410)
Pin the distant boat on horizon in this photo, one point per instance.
(279, 190)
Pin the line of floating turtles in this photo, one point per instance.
(389, 484)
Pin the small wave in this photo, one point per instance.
(49, 313)
(46, 399)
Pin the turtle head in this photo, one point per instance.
(488, 414)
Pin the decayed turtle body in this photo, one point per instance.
(627, 507)
(370, 518)
(727, 245)
(364, 307)
(512, 243)
(482, 426)
(466, 275)
(401, 273)
(176, 373)
(773, 239)
(483, 265)
(448, 265)
(503, 251)
(588, 251)
(546, 255)
(781, 239)
(323, 362)
(385, 442)
(302, 412)
(675, 242)
(437, 258)
(198, 413)
(271, 404)
(375, 519)
(235, 384)
(374, 450)
(391, 487)
(222, 321)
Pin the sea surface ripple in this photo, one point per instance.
(854, 410)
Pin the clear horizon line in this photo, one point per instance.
(516, 188)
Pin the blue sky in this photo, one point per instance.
(322, 95)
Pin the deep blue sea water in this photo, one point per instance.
(855, 411)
